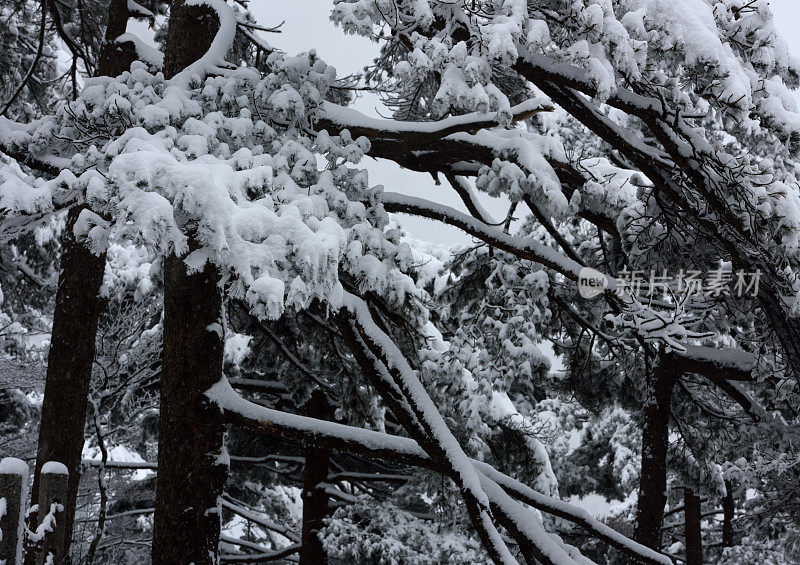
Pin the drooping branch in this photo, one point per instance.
(522, 248)
(412, 405)
(237, 508)
(317, 433)
(723, 367)
(374, 445)
(544, 221)
(537, 67)
(752, 408)
(264, 557)
(681, 171)
(573, 514)
(381, 446)
(462, 187)
(718, 365)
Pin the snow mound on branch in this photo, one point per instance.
(219, 161)
(689, 25)
(144, 52)
(253, 238)
(237, 347)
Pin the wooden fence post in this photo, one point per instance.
(53, 491)
(13, 499)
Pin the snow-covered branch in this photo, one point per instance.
(336, 118)
(714, 363)
(237, 410)
(263, 557)
(238, 509)
(382, 446)
(523, 248)
(214, 60)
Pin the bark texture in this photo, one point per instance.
(315, 498)
(692, 533)
(191, 31)
(191, 473)
(655, 438)
(728, 509)
(72, 343)
(191, 469)
(69, 366)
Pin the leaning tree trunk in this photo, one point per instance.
(191, 466)
(655, 438)
(69, 368)
(72, 342)
(315, 497)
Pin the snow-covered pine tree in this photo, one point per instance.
(219, 164)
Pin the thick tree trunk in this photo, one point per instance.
(191, 466)
(72, 342)
(691, 525)
(727, 516)
(191, 31)
(69, 366)
(315, 499)
(191, 469)
(655, 438)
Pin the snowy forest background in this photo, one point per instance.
(298, 281)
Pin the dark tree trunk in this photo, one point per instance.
(315, 499)
(691, 525)
(116, 58)
(69, 366)
(191, 31)
(72, 342)
(117, 22)
(191, 471)
(655, 438)
(727, 516)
